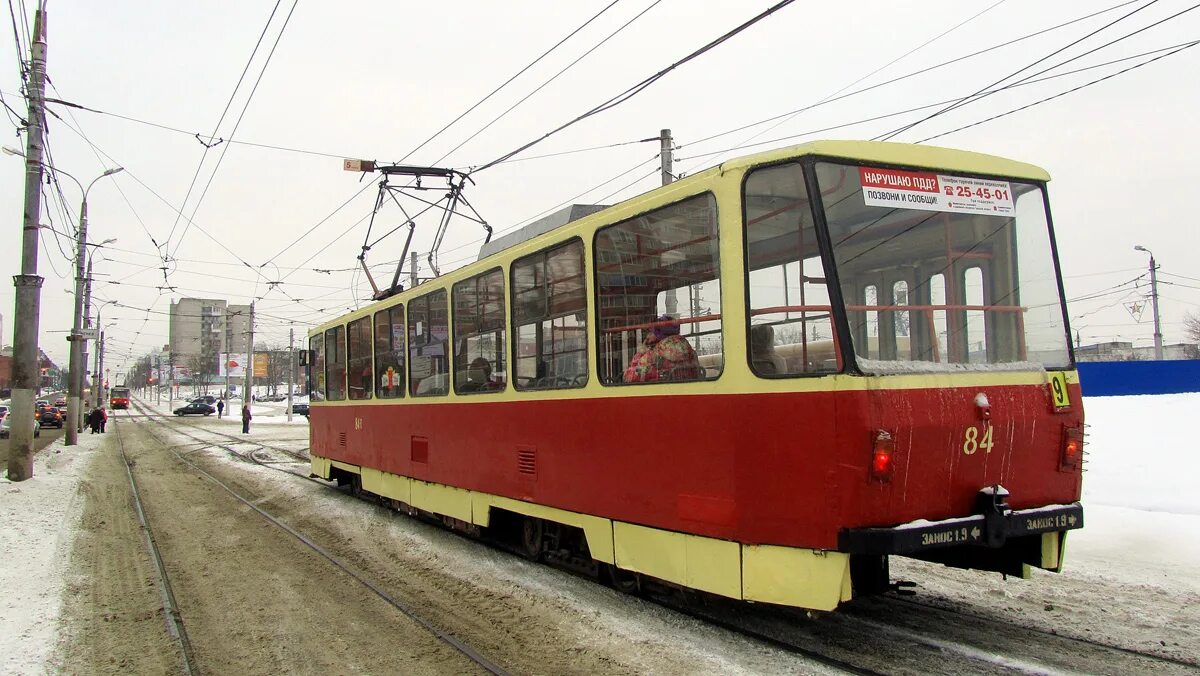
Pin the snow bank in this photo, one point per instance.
(41, 519)
(1140, 500)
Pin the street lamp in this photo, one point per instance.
(76, 338)
(1158, 346)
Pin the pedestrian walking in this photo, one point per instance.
(246, 417)
(220, 408)
(103, 419)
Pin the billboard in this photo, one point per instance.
(261, 360)
(234, 366)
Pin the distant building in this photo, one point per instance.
(1125, 351)
(200, 326)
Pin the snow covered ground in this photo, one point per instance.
(39, 520)
(1142, 512)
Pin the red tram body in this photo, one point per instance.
(941, 423)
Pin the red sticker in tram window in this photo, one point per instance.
(896, 179)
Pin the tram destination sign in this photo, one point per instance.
(899, 189)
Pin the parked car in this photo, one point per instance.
(196, 408)
(302, 409)
(51, 417)
(206, 399)
(6, 427)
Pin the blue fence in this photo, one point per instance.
(1111, 378)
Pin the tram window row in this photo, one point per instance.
(657, 292)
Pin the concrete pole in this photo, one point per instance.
(247, 394)
(158, 381)
(99, 377)
(87, 316)
(78, 363)
(412, 271)
(666, 154)
(1158, 346)
(291, 369)
(25, 367)
(171, 379)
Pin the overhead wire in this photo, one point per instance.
(237, 124)
(973, 97)
(492, 93)
(643, 85)
(217, 127)
(791, 114)
(551, 79)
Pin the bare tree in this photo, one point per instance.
(1191, 328)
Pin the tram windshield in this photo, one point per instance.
(943, 271)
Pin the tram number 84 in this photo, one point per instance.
(972, 441)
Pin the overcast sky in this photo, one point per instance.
(375, 79)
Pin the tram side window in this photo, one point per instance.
(316, 368)
(389, 353)
(791, 316)
(359, 374)
(659, 295)
(428, 334)
(549, 297)
(479, 364)
(335, 364)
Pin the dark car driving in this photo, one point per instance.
(301, 409)
(51, 417)
(195, 408)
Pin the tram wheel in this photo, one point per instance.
(625, 581)
(531, 538)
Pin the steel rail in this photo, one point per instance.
(174, 618)
(404, 608)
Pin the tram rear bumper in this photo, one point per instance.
(990, 529)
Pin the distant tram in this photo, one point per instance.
(870, 358)
(118, 398)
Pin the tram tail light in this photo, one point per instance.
(883, 457)
(1072, 449)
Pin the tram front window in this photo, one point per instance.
(943, 270)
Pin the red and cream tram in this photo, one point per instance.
(875, 362)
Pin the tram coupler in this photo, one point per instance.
(992, 503)
(903, 588)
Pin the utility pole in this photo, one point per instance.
(101, 381)
(1158, 346)
(25, 368)
(666, 154)
(247, 396)
(171, 379)
(412, 271)
(225, 394)
(158, 380)
(291, 369)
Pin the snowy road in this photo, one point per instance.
(1127, 603)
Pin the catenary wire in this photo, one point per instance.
(644, 84)
(967, 99)
(551, 79)
(495, 91)
(236, 125)
(216, 127)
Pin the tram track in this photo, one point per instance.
(946, 611)
(174, 619)
(405, 609)
(796, 632)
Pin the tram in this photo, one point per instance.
(118, 398)
(871, 359)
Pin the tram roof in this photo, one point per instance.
(923, 156)
(934, 158)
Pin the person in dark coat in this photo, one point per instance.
(93, 420)
(103, 418)
(246, 417)
(220, 408)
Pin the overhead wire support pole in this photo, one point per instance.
(665, 154)
(25, 369)
(247, 394)
(291, 370)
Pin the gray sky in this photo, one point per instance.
(375, 79)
